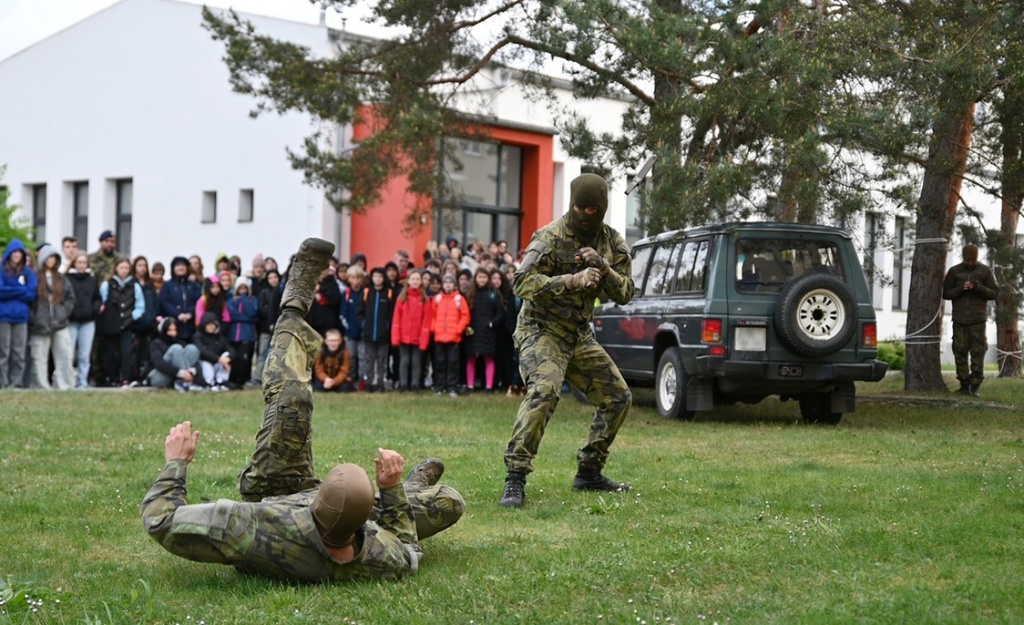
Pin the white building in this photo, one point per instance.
(126, 121)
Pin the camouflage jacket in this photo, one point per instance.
(102, 265)
(549, 261)
(277, 537)
(969, 307)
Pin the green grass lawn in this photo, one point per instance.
(910, 511)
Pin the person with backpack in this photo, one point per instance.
(375, 318)
(448, 323)
(411, 331)
(351, 303)
(243, 309)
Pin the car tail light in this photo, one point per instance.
(711, 331)
(717, 350)
(869, 336)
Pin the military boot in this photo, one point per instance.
(589, 479)
(425, 474)
(515, 490)
(304, 274)
(965, 389)
(975, 390)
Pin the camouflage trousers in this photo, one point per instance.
(969, 340)
(545, 361)
(282, 462)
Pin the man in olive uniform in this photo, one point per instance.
(971, 286)
(103, 260)
(568, 264)
(291, 525)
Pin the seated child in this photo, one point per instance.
(214, 353)
(330, 372)
(172, 362)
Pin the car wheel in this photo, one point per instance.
(670, 386)
(817, 408)
(816, 315)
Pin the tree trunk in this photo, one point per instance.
(940, 191)
(1008, 299)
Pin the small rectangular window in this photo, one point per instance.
(80, 210)
(209, 207)
(124, 215)
(898, 262)
(39, 212)
(245, 205)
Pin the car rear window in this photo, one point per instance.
(766, 265)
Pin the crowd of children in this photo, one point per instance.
(75, 320)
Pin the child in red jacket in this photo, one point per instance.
(450, 320)
(410, 331)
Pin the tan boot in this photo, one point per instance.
(304, 274)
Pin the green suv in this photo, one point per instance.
(741, 311)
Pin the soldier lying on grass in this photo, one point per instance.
(289, 524)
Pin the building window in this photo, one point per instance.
(898, 258)
(124, 215)
(80, 204)
(245, 205)
(871, 223)
(39, 212)
(209, 207)
(635, 203)
(486, 193)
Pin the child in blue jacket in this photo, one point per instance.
(242, 309)
(17, 292)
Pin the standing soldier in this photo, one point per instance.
(103, 260)
(970, 285)
(568, 264)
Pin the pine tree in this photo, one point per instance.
(12, 225)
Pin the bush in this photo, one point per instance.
(893, 353)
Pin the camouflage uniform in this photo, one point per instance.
(273, 531)
(102, 265)
(970, 313)
(556, 342)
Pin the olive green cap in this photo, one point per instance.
(343, 504)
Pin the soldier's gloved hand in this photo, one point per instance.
(589, 277)
(591, 258)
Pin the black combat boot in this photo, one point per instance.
(425, 474)
(965, 388)
(515, 490)
(304, 274)
(975, 390)
(589, 479)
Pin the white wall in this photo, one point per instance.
(140, 91)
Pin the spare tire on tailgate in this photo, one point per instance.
(816, 314)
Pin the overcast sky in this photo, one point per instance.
(24, 22)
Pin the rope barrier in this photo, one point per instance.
(916, 338)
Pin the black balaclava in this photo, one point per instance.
(586, 191)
